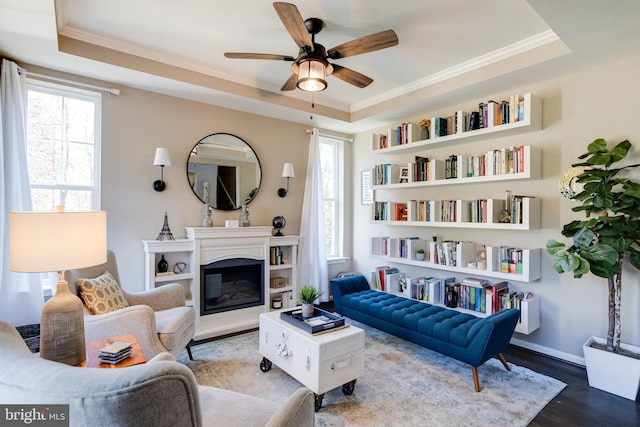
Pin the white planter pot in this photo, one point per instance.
(307, 310)
(611, 372)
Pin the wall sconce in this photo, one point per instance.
(287, 172)
(161, 159)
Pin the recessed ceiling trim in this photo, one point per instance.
(498, 55)
(182, 62)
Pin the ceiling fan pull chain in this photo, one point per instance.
(312, 107)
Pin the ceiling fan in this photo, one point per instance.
(311, 66)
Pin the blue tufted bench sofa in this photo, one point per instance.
(463, 336)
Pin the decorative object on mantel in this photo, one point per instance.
(287, 172)
(610, 199)
(278, 224)
(207, 222)
(163, 265)
(66, 240)
(244, 217)
(161, 159)
(165, 233)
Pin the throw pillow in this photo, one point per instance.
(102, 294)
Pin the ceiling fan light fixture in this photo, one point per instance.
(312, 75)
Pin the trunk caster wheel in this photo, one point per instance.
(265, 364)
(349, 387)
(319, 398)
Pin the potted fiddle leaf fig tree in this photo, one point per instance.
(601, 243)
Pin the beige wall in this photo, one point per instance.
(136, 122)
(577, 108)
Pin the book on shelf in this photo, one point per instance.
(461, 121)
(439, 125)
(492, 113)
(379, 141)
(381, 274)
(474, 121)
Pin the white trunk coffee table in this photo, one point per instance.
(321, 362)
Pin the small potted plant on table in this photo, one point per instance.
(308, 294)
(420, 254)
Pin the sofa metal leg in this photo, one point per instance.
(504, 362)
(189, 350)
(476, 380)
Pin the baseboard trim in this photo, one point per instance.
(567, 357)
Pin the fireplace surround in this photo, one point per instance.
(222, 247)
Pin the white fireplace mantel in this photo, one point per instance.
(219, 243)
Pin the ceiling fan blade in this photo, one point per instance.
(293, 22)
(365, 44)
(240, 55)
(290, 84)
(350, 76)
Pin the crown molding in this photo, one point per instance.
(498, 55)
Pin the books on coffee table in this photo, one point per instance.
(115, 352)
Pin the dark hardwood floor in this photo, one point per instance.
(578, 404)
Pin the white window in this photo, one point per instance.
(332, 159)
(63, 147)
(63, 151)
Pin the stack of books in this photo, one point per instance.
(115, 352)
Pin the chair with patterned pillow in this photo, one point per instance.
(158, 318)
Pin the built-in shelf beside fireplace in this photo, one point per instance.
(211, 251)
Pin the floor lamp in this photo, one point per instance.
(59, 241)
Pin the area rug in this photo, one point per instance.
(403, 385)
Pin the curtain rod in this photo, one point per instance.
(324, 135)
(110, 91)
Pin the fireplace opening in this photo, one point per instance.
(231, 284)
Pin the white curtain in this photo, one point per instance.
(21, 298)
(312, 262)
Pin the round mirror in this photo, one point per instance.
(224, 171)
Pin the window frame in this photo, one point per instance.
(339, 192)
(48, 280)
(84, 95)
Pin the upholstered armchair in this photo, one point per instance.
(159, 393)
(158, 318)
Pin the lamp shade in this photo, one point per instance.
(312, 75)
(56, 241)
(287, 171)
(162, 157)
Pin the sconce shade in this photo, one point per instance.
(58, 241)
(287, 171)
(162, 157)
(312, 75)
(55, 241)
